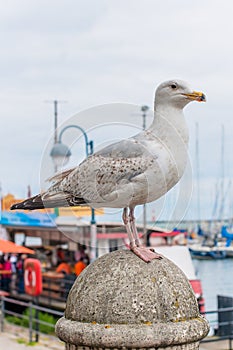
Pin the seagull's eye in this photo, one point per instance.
(173, 86)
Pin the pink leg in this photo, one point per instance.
(146, 254)
(125, 218)
(133, 227)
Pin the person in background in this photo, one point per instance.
(60, 255)
(7, 275)
(64, 267)
(79, 266)
(81, 253)
(1, 268)
(20, 273)
(13, 260)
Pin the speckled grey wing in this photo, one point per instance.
(130, 148)
(102, 177)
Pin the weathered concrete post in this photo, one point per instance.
(120, 302)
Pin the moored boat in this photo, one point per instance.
(222, 247)
(199, 251)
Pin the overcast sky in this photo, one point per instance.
(89, 53)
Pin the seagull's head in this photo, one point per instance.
(177, 93)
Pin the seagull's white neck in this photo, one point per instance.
(169, 123)
(170, 130)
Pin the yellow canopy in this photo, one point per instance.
(9, 199)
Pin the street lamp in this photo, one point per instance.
(144, 109)
(60, 154)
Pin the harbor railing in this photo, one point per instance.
(221, 320)
(221, 326)
(32, 320)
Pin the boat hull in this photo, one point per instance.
(210, 253)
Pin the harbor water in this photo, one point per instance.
(217, 279)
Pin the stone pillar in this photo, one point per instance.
(121, 302)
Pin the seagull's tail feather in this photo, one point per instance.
(48, 201)
(29, 204)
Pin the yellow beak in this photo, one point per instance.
(196, 96)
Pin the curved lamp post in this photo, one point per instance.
(60, 154)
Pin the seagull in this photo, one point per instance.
(130, 172)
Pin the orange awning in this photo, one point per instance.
(11, 247)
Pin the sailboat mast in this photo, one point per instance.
(198, 173)
(222, 160)
(221, 211)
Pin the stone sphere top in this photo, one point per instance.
(120, 302)
(120, 288)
